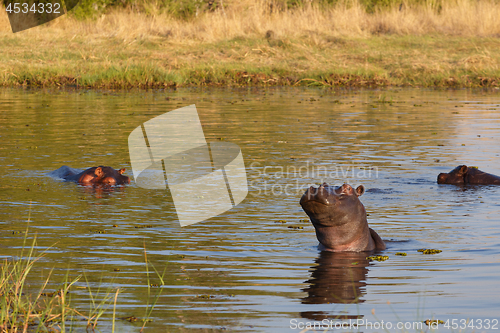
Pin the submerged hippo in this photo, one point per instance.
(463, 175)
(340, 218)
(101, 175)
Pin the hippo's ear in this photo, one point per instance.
(463, 169)
(121, 171)
(360, 190)
(99, 173)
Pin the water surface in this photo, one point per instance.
(246, 270)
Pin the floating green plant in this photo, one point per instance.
(429, 322)
(377, 258)
(429, 251)
(295, 227)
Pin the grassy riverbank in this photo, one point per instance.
(454, 44)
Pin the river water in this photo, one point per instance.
(249, 269)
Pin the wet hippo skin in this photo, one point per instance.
(101, 175)
(464, 175)
(339, 219)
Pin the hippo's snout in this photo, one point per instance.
(319, 194)
(441, 178)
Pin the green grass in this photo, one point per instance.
(27, 311)
(425, 61)
(24, 310)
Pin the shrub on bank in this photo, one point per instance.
(188, 9)
(182, 9)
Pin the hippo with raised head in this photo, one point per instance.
(340, 219)
(101, 175)
(464, 175)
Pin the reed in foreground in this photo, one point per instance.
(24, 311)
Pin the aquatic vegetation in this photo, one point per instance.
(295, 227)
(429, 322)
(377, 258)
(133, 319)
(59, 293)
(429, 251)
(401, 254)
(130, 319)
(24, 310)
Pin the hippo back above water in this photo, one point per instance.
(464, 175)
(339, 218)
(101, 175)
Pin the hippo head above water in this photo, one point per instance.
(102, 175)
(339, 218)
(464, 175)
(95, 176)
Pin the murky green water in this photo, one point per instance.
(243, 271)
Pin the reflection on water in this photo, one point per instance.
(253, 268)
(337, 278)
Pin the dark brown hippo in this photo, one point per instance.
(101, 175)
(340, 218)
(464, 175)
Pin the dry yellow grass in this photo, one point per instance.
(254, 18)
(405, 44)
